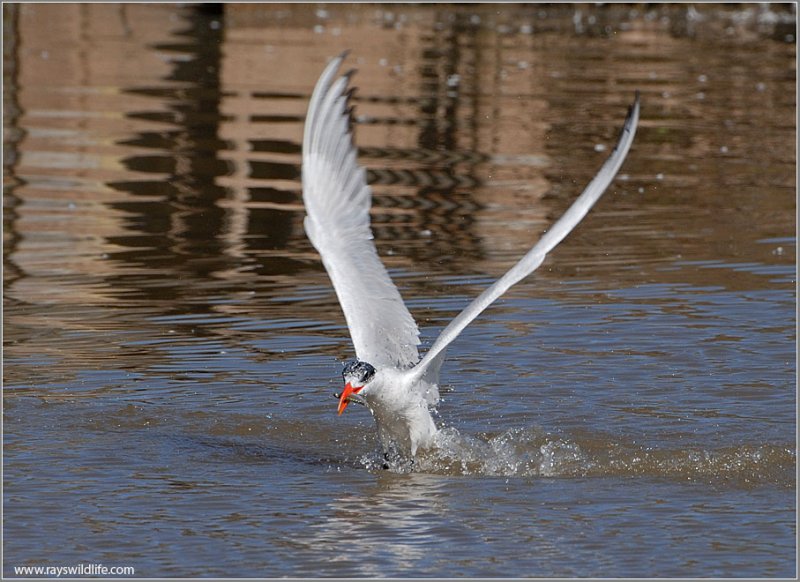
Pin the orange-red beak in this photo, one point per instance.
(345, 396)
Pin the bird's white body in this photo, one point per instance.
(396, 385)
(401, 407)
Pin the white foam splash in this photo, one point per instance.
(531, 452)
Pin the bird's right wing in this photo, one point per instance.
(337, 200)
(531, 261)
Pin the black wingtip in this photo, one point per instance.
(348, 94)
(632, 108)
(349, 74)
(339, 59)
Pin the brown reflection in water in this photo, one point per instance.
(69, 62)
(71, 112)
(414, 179)
(158, 162)
(186, 226)
(12, 134)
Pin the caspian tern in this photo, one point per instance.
(388, 376)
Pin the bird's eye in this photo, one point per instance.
(365, 372)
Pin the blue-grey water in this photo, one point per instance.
(172, 342)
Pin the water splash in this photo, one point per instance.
(531, 452)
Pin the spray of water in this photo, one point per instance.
(532, 452)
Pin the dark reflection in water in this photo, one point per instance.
(171, 339)
(13, 133)
(186, 227)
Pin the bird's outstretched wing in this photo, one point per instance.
(337, 201)
(531, 261)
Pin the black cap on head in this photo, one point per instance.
(360, 370)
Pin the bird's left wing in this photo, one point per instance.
(337, 201)
(531, 261)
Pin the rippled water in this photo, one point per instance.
(171, 340)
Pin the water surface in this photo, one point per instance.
(171, 340)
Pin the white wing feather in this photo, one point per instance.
(531, 261)
(337, 201)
